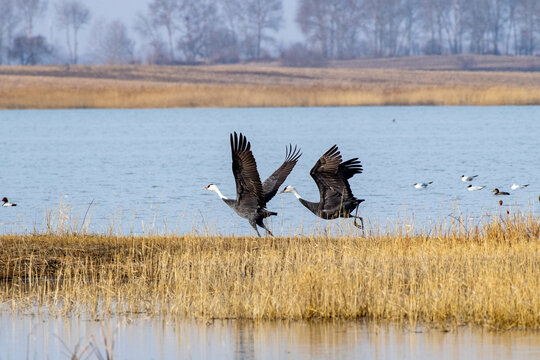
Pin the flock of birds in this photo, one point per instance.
(471, 187)
(330, 173)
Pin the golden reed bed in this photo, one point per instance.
(488, 276)
(256, 86)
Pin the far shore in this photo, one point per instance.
(450, 80)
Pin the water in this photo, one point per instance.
(40, 337)
(143, 170)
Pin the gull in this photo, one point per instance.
(467, 178)
(516, 186)
(475, 188)
(422, 185)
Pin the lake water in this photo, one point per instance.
(143, 170)
(40, 337)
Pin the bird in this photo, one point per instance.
(468, 178)
(475, 188)
(497, 192)
(331, 175)
(422, 185)
(7, 203)
(251, 194)
(516, 186)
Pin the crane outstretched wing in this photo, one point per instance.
(347, 170)
(249, 190)
(331, 175)
(274, 181)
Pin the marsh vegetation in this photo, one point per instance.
(46, 87)
(486, 275)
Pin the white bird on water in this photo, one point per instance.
(467, 178)
(422, 185)
(475, 188)
(516, 186)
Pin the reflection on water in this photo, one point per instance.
(37, 337)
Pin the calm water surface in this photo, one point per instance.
(143, 170)
(39, 337)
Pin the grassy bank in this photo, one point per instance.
(488, 276)
(50, 87)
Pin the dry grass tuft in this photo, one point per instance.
(488, 276)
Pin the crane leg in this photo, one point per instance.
(261, 224)
(254, 225)
(361, 221)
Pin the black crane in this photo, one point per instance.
(331, 175)
(251, 194)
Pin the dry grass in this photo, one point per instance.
(257, 85)
(488, 276)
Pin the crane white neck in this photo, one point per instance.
(293, 190)
(215, 188)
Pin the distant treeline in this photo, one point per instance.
(229, 31)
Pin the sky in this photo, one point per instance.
(126, 11)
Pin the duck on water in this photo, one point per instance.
(7, 203)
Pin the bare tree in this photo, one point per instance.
(454, 24)
(262, 15)
(8, 23)
(72, 15)
(111, 43)
(433, 18)
(155, 48)
(30, 10)
(199, 22)
(164, 13)
(30, 50)
(529, 17)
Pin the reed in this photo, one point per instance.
(487, 275)
(244, 86)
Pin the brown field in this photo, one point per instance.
(401, 81)
(487, 276)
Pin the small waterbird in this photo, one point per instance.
(422, 185)
(475, 188)
(516, 186)
(331, 175)
(7, 203)
(468, 178)
(497, 192)
(251, 194)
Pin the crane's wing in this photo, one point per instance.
(249, 191)
(331, 175)
(346, 171)
(272, 184)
